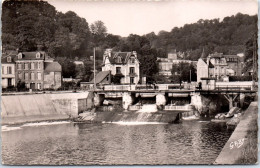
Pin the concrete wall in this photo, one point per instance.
(233, 151)
(37, 107)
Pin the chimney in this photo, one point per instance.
(109, 51)
(135, 53)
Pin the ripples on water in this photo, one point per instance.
(190, 142)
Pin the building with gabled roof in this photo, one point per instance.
(124, 65)
(8, 70)
(219, 66)
(37, 70)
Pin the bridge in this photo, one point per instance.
(230, 90)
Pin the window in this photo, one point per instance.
(9, 70)
(26, 66)
(132, 80)
(19, 66)
(20, 56)
(39, 76)
(32, 65)
(26, 76)
(38, 55)
(9, 59)
(132, 70)
(3, 72)
(119, 59)
(132, 60)
(20, 75)
(118, 70)
(107, 78)
(39, 65)
(36, 65)
(39, 86)
(32, 76)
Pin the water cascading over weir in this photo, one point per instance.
(145, 113)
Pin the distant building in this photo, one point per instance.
(77, 63)
(219, 66)
(165, 64)
(234, 63)
(37, 70)
(8, 69)
(124, 65)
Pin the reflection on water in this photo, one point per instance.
(190, 142)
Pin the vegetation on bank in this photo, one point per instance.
(250, 152)
(32, 25)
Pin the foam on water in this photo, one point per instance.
(135, 123)
(6, 128)
(148, 108)
(44, 123)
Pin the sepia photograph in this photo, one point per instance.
(158, 82)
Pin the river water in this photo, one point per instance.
(189, 142)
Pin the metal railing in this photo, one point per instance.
(178, 108)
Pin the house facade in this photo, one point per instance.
(8, 71)
(219, 66)
(124, 65)
(52, 75)
(234, 63)
(37, 70)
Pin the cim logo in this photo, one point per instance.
(237, 143)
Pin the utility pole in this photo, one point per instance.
(190, 76)
(94, 69)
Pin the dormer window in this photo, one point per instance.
(9, 59)
(38, 55)
(119, 59)
(132, 60)
(20, 56)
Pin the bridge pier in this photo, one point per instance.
(231, 99)
(241, 99)
(98, 99)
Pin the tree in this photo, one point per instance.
(251, 56)
(183, 72)
(68, 67)
(99, 32)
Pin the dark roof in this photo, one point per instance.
(124, 57)
(9, 53)
(32, 55)
(4, 59)
(211, 65)
(100, 76)
(52, 67)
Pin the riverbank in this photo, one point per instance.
(241, 148)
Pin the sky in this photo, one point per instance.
(128, 17)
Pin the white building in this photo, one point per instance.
(8, 71)
(122, 64)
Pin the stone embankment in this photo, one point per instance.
(18, 108)
(239, 145)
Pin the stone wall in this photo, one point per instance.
(209, 104)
